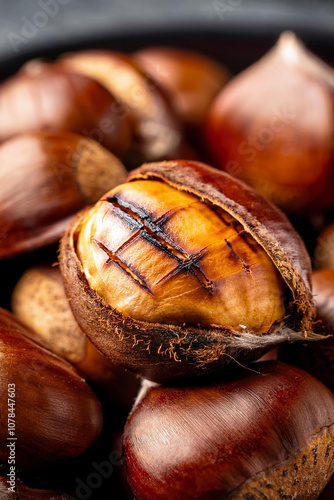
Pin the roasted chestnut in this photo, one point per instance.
(52, 414)
(47, 97)
(183, 270)
(39, 301)
(192, 80)
(45, 178)
(267, 433)
(156, 128)
(273, 126)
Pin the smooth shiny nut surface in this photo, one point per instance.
(267, 433)
(273, 126)
(57, 415)
(191, 79)
(45, 178)
(47, 97)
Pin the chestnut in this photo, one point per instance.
(318, 359)
(191, 79)
(45, 178)
(262, 433)
(39, 301)
(157, 132)
(49, 97)
(183, 270)
(324, 252)
(53, 413)
(272, 126)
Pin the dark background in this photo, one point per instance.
(57, 25)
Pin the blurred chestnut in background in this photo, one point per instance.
(324, 252)
(157, 133)
(57, 416)
(318, 358)
(47, 97)
(267, 433)
(183, 270)
(273, 126)
(45, 178)
(191, 79)
(39, 301)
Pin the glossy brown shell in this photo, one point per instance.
(266, 434)
(57, 174)
(57, 415)
(162, 352)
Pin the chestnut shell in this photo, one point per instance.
(57, 174)
(162, 352)
(57, 415)
(264, 434)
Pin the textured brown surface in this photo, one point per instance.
(162, 352)
(266, 434)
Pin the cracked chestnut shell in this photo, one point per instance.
(45, 178)
(57, 415)
(183, 270)
(267, 433)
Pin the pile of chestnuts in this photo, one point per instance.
(167, 253)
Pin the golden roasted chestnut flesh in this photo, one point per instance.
(165, 256)
(187, 268)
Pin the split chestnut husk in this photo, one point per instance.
(184, 270)
(265, 434)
